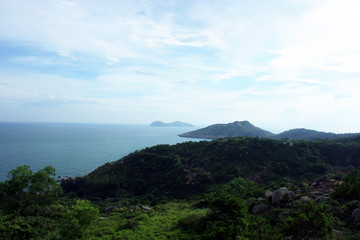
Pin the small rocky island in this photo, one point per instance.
(172, 124)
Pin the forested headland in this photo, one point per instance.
(229, 188)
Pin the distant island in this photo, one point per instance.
(246, 129)
(172, 124)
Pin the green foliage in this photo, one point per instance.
(310, 221)
(78, 219)
(228, 217)
(14, 227)
(25, 189)
(349, 189)
(184, 169)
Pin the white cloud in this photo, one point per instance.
(183, 59)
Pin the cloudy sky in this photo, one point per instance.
(280, 64)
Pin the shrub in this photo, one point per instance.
(350, 188)
(310, 221)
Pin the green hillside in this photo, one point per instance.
(195, 167)
(246, 129)
(235, 129)
(232, 188)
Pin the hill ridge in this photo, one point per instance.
(246, 129)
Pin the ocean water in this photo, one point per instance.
(76, 149)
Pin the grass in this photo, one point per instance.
(160, 223)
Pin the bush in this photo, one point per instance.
(350, 188)
(78, 219)
(310, 221)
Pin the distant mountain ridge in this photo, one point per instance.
(172, 124)
(246, 129)
(235, 129)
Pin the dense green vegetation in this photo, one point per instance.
(187, 168)
(246, 129)
(235, 129)
(204, 190)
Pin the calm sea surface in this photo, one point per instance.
(76, 149)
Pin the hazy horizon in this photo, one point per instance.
(280, 65)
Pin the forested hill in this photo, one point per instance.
(195, 167)
(302, 133)
(235, 129)
(246, 129)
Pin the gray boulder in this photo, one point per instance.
(338, 234)
(356, 215)
(145, 208)
(259, 209)
(291, 195)
(111, 209)
(268, 195)
(304, 199)
(279, 195)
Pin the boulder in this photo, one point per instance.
(321, 199)
(356, 215)
(304, 199)
(291, 195)
(279, 195)
(259, 209)
(338, 234)
(145, 208)
(111, 209)
(268, 195)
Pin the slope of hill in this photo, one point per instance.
(172, 124)
(194, 167)
(235, 129)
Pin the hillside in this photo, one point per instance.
(254, 189)
(194, 167)
(172, 124)
(302, 133)
(246, 129)
(235, 129)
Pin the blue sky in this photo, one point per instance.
(279, 64)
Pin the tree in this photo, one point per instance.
(77, 220)
(25, 189)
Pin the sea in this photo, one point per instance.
(75, 149)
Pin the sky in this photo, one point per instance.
(279, 64)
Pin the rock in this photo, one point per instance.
(111, 209)
(321, 199)
(338, 234)
(145, 208)
(279, 195)
(356, 215)
(259, 209)
(304, 199)
(268, 195)
(291, 195)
